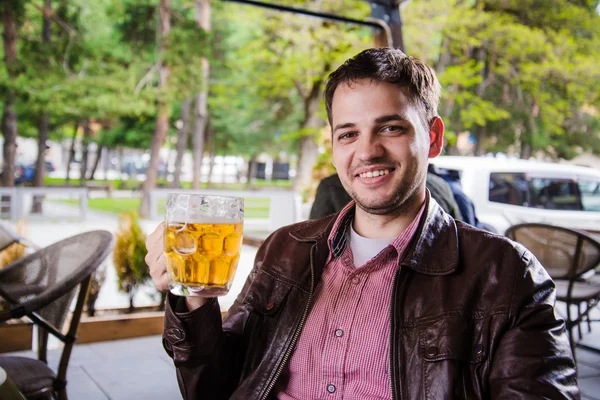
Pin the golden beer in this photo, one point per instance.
(203, 257)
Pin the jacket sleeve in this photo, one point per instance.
(207, 355)
(533, 359)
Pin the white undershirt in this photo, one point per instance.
(363, 249)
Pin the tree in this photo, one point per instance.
(11, 11)
(128, 256)
(182, 140)
(162, 118)
(44, 126)
(286, 59)
(518, 75)
(300, 53)
(202, 16)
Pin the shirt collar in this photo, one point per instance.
(338, 237)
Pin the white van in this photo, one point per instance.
(509, 191)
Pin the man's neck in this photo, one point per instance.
(386, 226)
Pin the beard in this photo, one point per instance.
(399, 202)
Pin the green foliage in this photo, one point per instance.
(129, 253)
(519, 74)
(523, 72)
(267, 65)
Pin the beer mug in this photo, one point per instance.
(203, 238)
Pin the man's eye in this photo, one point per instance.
(346, 135)
(392, 128)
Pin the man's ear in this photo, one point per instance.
(436, 137)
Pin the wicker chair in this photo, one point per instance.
(41, 286)
(569, 256)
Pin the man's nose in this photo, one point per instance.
(369, 147)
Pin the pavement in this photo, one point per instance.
(139, 368)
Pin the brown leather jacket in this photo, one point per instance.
(472, 317)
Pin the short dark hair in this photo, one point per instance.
(385, 64)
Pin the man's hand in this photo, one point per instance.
(156, 257)
(158, 266)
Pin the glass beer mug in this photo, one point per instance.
(203, 238)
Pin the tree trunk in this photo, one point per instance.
(529, 135)
(480, 133)
(182, 140)
(480, 55)
(526, 151)
(44, 127)
(251, 171)
(72, 152)
(210, 140)
(162, 119)
(106, 164)
(202, 17)
(309, 150)
(9, 115)
(9, 131)
(96, 162)
(40, 164)
(121, 183)
(87, 135)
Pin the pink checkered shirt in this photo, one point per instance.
(343, 350)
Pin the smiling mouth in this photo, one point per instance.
(375, 174)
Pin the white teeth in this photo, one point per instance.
(374, 174)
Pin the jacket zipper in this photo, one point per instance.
(296, 333)
(392, 341)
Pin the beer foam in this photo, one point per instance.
(209, 220)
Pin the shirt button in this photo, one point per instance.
(331, 388)
(356, 280)
(339, 333)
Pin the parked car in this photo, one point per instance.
(510, 191)
(24, 173)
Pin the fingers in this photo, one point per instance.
(155, 258)
(159, 274)
(156, 237)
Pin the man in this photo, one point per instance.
(331, 196)
(389, 299)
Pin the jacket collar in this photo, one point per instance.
(432, 251)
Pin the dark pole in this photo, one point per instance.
(385, 18)
(389, 12)
(309, 13)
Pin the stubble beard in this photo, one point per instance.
(400, 203)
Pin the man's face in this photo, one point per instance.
(380, 146)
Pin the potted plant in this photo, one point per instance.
(129, 253)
